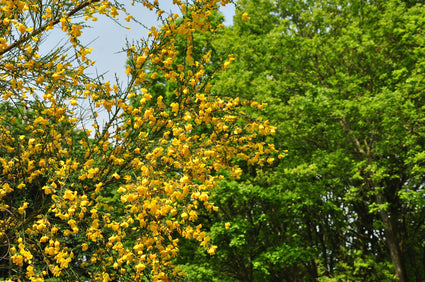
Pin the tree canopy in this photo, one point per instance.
(344, 84)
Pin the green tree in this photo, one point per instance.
(344, 83)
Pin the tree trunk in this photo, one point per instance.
(392, 242)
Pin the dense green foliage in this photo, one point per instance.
(344, 81)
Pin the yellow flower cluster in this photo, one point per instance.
(111, 202)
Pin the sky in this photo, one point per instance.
(107, 38)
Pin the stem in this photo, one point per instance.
(50, 23)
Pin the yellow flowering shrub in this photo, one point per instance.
(89, 199)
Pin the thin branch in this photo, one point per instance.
(346, 127)
(51, 23)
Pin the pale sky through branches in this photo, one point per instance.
(108, 38)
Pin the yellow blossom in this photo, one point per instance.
(22, 208)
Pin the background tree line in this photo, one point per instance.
(344, 83)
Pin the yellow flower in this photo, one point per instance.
(140, 60)
(128, 18)
(270, 160)
(9, 66)
(47, 190)
(21, 210)
(69, 195)
(84, 246)
(212, 249)
(22, 28)
(175, 107)
(139, 267)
